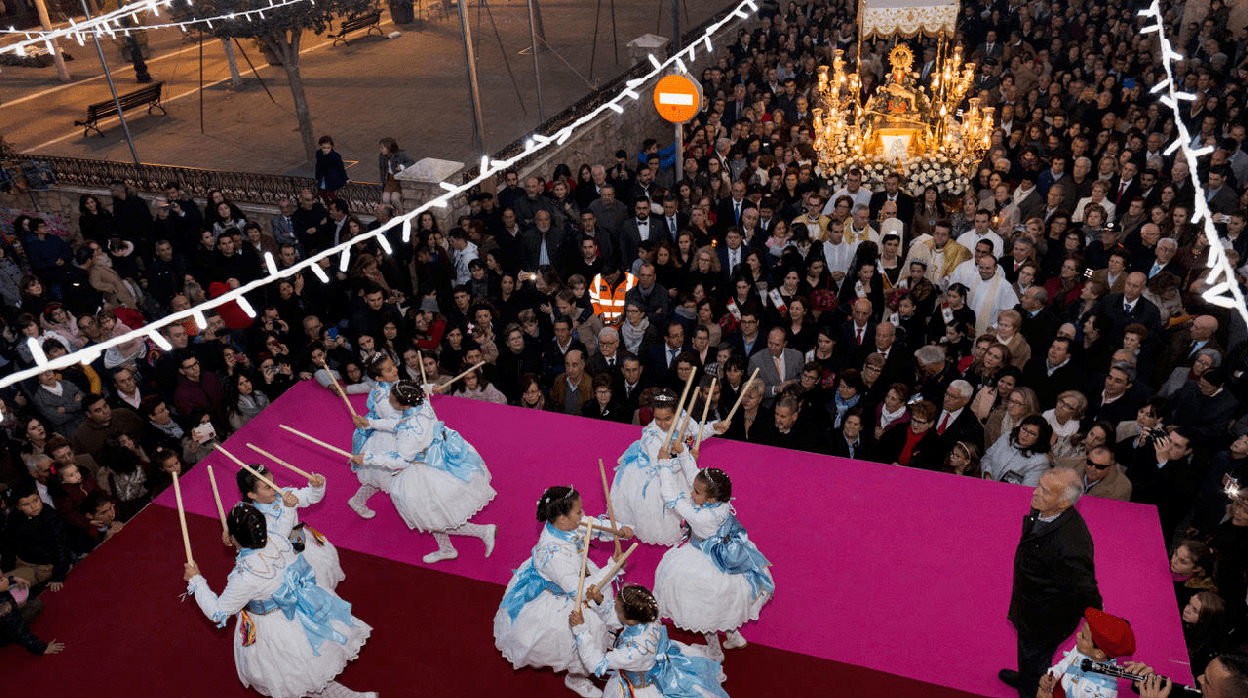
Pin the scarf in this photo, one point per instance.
(842, 406)
(887, 418)
(634, 335)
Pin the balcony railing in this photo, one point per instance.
(237, 186)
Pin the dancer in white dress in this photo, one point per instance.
(292, 636)
(437, 479)
(374, 432)
(718, 580)
(644, 662)
(635, 492)
(531, 626)
(283, 521)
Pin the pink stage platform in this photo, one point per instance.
(897, 570)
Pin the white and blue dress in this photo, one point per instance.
(378, 436)
(292, 636)
(435, 478)
(644, 662)
(718, 580)
(283, 522)
(635, 493)
(531, 625)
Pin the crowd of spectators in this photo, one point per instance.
(1052, 316)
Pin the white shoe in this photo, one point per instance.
(713, 649)
(733, 640)
(582, 686)
(490, 532)
(440, 555)
(361, 509)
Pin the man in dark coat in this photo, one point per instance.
(1054, 578)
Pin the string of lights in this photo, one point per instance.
(1223, 288)
(125, 20)
(489, 168)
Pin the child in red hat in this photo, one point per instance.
(1102, 638)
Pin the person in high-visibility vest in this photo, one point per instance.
(607, 291)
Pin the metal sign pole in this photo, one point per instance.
(116, 100)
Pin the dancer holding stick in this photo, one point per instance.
(531, 627)
(292, 636)
(262, 478)
(376, 429)
(436, 480)
(282, 515)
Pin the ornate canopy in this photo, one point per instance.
(907, 18)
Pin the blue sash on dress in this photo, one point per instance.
(733, 553)
(299, 596)
(381, 393)
(674, 673)
(451, 453)
(530, 583)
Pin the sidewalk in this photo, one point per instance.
(413, 88)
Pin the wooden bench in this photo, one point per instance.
(148, 95)
(372, 20)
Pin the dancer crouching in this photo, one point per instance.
(645, 662)
(282, 516)
(292, 637)
(720, 580)
(436, 480)
(531, 626)
(635, 492)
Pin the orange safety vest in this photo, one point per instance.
(609, 302)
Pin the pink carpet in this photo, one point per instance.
(894, 569)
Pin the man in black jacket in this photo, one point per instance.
(35, 547)
(1054, 578)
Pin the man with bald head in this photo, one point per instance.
(1054, 577)
(859, 331)
(1130, 306)
(1186, 344)
(898, 363)
(778, 367)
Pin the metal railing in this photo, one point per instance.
(250, 187)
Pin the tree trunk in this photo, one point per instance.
(286, 46)
(236, 80)
(61, 71)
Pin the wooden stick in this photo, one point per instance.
(316, 441)
(338, 388)
(250, 469)
(186, 536)
(706, 409)
(733, 412)
(602, 470)
(580, 589)
(424, 380)
(599, 527)
(279, 461)
(216, 494)
(679, 406)
(439, 388)
(617, 565)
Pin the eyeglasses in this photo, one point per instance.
(1067, 405)
(916, 420)
(1098, 466)
(1031, 431)
(1016, 402)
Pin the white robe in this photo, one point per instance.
(989, 298)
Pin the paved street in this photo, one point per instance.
(412, 88)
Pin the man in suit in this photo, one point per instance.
(1163, 259)
(956, 423)
(649, 294)
(1130, 306)
(1040, 324)
(672, 217)
(746, 340)
(991, 48)
(858, 333)
(731, 253)
(543, 243)
(1125, 187)
(892, 192)
(283, 228)
(609, 215)
(1218, 193)
(572, 388)
(630, 383)
(554, 356)
(1120, 398)
(778, 367)
(1054, 373)
(729, 212)
(791, 432)
(1054, 578)
(1186, 344)
(642, 227)
(609, 357)
(898, 363)
(661, 361)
